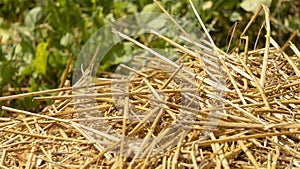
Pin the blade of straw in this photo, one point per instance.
(206, 80)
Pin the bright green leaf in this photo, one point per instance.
(40, 61)
(25, 70)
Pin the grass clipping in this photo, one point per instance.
(259, 126)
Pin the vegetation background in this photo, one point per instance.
(38, 36)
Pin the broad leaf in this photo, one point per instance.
(34, 15)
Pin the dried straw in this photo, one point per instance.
(257, 126)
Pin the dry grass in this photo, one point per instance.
(257, 117)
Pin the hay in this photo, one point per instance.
(258, 129)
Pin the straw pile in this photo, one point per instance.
(255, 126)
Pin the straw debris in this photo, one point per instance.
(170, 118)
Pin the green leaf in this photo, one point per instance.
(98, 18)
(40, 61)
(67, 40)
(34, 16)
(235, 16)
(253, 5)
(6, 72)
(207, 5)
(131, 8)
(4, 34)
(25, 70)
(33, 85)
(150, 8)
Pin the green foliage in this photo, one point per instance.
(252, 6)
(37, 37)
